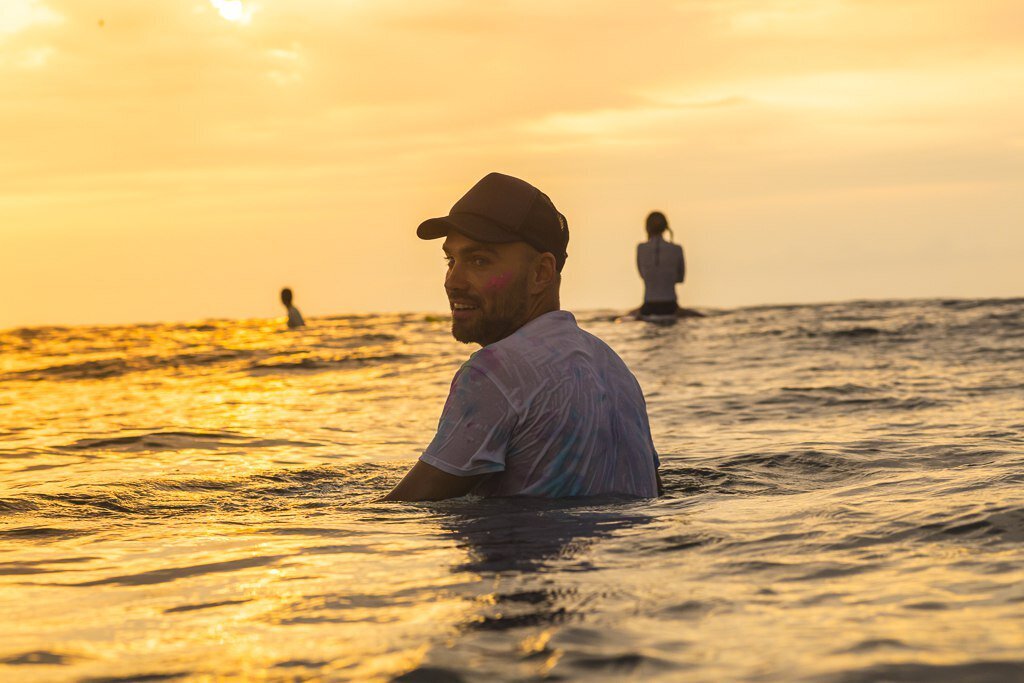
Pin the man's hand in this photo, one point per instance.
(426, 482)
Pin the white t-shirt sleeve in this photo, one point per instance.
(475, 428)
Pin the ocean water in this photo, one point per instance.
(845, 503)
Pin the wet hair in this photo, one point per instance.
(656, 223)
(286, 296)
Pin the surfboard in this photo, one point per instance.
(668, 319)
(659, 319)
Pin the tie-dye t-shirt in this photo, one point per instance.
(549, 411)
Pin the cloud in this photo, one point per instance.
(18, 19)
(646, 123)
(164, 86)
(19, 15)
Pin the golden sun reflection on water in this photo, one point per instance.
(176, 622)
(200, 500)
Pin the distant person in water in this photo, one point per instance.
(294, 317)
(543, 409)
(661, 265)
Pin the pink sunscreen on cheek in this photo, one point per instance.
(499, 281)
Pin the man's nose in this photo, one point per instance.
(455, 278)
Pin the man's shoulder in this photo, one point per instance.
(551, 325)
(534, 343)
(608, 356)
(556, 336)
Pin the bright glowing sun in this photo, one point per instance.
(233, 10)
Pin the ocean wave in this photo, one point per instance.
(1003, 524)
(171, 440)
(42, 566)
(193, 607)
(845, 398)
(991, 526)
(823, 465)
(688, 480)
(41, 533)
(322, 363)
(977, 671)
(171, 498)
(141, 677)
(166, 575)
(16, 505)
(128, 356)
(107, 368)
(1011, 321)
(852, 332)
(969, 304)
(674, 542)
(42, 658)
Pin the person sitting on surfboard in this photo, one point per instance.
(294, 317)
(661, 265)
(543, 409)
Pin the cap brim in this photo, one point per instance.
(472, 226)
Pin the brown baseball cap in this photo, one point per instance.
(500, 208)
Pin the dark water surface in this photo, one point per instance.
(845, 503)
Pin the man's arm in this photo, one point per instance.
(426, 482)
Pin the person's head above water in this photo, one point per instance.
(505, 247)
(656, 223)
(286, 297)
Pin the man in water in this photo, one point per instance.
(543, 409)
(661, 266)
(294, 317)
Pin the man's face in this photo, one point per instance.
(487, 286)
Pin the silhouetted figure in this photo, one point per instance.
(661, 266)
(294, 317)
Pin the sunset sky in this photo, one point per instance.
(184, 159)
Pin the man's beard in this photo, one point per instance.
(505, 317)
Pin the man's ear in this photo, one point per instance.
(543, 273)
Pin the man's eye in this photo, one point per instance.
(480, 262)
(448, 261)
